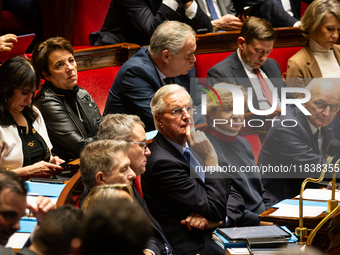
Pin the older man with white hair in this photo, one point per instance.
(175, 193)
(302, 141)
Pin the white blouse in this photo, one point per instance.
(11, 154)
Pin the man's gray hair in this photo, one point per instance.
(157, 104)
(323, 83)
(170, 35)
(99, 156)
(118, 127)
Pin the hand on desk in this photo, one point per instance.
(195, 220)
(44, 205)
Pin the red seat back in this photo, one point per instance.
(90, 16)
(98, 83)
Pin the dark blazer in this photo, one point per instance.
(158, 242)
(268, 9)
(6, 251)
(293, 146)
(135, 84)
(231, 70)
(172, 194)
(134, 21)
(25, 251)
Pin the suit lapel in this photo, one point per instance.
(155, 72)
(164, 143)
(304, 123)
(312, 64)
(241, 76)
(336, 50)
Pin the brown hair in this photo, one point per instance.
(315, 14)
(42, 51)
(257, 28)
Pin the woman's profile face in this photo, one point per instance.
(327, 33)
(225, 112)
(63, 69)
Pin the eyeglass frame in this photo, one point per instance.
(330, 105)
(187, 109)
(145, 143)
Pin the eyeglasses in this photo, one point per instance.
(143, 145)
(322, 105)
(178, 112)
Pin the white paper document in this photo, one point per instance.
(319, 194)
(18, 240)
(293, 211)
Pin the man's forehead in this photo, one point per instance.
(10, 201)
(138, 132)
(177, 98)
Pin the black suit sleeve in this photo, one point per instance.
(208, 199)
(139, 97)
(142, 17)
(267, 9)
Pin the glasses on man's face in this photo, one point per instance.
(143, 145)
(322, 105)
(178, 112)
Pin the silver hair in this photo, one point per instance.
(118, 127)
(157, 104)
(170, 35)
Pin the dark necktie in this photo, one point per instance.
(194, 163)
(212, 9)
(316, 139)
(278, 2)
(167, 80)
(265, 88)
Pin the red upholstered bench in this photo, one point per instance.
(205, 61)
(98, 83)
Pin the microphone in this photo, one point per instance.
(331, 151)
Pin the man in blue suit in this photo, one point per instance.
(303, 146)
(169, 59)
(256, 41)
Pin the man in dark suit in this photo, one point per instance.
(174, 192)
(13, 191)
(274, 11)
(130, 128)
(302, 145)
(169, 59)
(255, 43)
(135, 21)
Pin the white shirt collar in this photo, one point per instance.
(312, 128)
(245, 66)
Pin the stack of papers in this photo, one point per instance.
(319, 194)
(291, 208)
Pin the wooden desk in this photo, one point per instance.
(321, 239)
